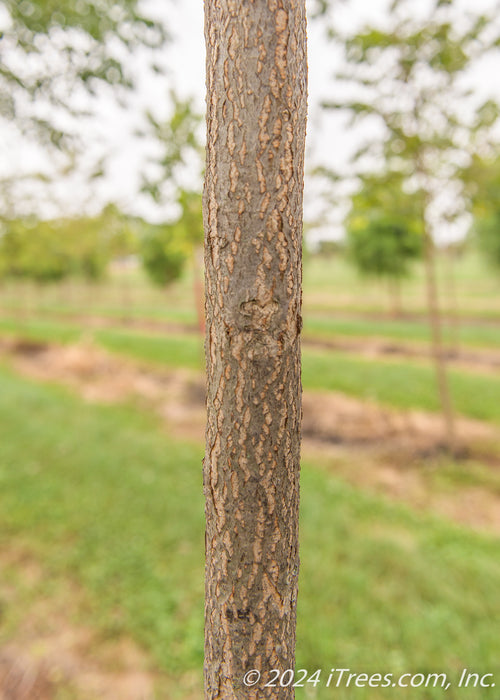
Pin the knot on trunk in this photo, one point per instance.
(259, 314)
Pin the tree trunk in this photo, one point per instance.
(256, 100)
(437, 345)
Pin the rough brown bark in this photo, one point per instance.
(256, 114)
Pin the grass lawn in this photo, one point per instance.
(120, 296)
(104, 497)
(316, 326)
(174, 350)
(41, 330)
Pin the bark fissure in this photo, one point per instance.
(256, 112)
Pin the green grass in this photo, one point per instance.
(445, 476)
(328, 327)
(316, 326)
(173, 349)
(161, 315)
(386, 590)
(41, 330)
(121, 296)
(104, 497)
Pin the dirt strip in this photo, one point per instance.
(372, 446)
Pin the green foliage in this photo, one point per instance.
(99, 20)
(166, 248)
(56, 57)
(86, 245)
(34, 251)
(382, 247)
(95, 241)
(191, 220)
(384, 230)
(164, 252)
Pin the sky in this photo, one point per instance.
(329, 141)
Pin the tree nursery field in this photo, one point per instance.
(101, 512)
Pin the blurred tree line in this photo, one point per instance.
(46, 251)
(52, 250)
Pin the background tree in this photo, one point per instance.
(384, 232)
(407, 78)
(177, 163)
(256, 97)
(164, 253)
(95, 241)
(174, 176)
(166, 248)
